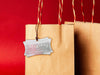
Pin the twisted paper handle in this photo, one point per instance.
(60, 12)
(93, 11)
(40, 9)
(82, 10)
(73, 10)
(39, 17)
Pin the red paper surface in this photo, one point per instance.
(14, 14)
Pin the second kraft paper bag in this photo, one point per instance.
(87, 45)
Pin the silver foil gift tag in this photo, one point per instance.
(40, 47)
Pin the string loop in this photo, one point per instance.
(73, 10)
(93, 11)
(60, 12)
(39, 17)
(82, 10)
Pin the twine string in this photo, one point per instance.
(82, 10)
(73, 10)
(93, 11)
(39, 17)
(60, 12)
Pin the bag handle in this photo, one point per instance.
(82, 10)
(73, 11)
(93, 11)
(39, 17)
(60, 12)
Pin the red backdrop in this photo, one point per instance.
(14, 14)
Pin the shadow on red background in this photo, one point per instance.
(14, 14)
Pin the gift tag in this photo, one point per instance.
(33, 47)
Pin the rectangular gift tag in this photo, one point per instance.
(33, 47)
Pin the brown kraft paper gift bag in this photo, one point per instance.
(87, 46)
(61, 61)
